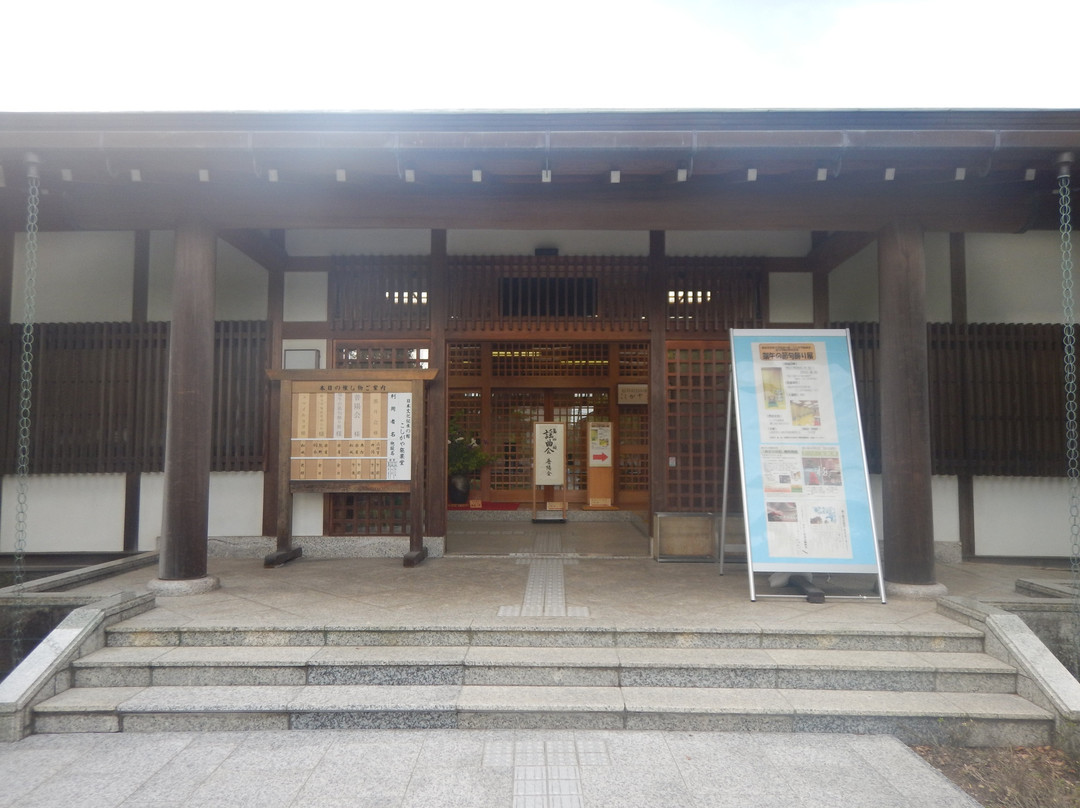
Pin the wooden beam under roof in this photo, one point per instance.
(261, 249)
(702, 205)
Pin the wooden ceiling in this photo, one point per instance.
(817, 170)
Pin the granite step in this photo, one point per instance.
(970, 719)
(956, 638)
(914, 671)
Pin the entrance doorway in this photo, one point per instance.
(499, 390)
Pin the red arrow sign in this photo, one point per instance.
(601, 457)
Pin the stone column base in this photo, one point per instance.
(916, 591)
(193, 586)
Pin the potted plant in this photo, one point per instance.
(465, 458)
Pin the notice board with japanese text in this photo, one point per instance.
(806, 490)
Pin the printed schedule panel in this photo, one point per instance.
(805, 485)
(351, 431)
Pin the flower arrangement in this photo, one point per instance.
(464, 455)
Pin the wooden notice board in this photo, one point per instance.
(350, 431)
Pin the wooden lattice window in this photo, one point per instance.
(575, 409)
(364, 356)
(464, 359)
(714, 294)
(368, 514)
(633, 447)
(513, 413)
(547, 359)
(465, 416)
(697, 376)
(634, 359)
(380, 293)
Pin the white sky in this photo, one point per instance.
(560, 54)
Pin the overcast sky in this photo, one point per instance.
(559, 54)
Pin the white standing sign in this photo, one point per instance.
(549, 453)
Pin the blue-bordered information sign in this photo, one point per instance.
(806, 490)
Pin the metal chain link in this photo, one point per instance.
(1072, 446)
(26, 386)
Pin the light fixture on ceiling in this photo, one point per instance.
(682, 174)
(410, 175)
(1029, 175)
(545, 175)
(204, 175)
(271, 174)
(3, 179)
(890, 174)
(961, 174)
(66, 175)
(342, 176)
(616, 176)
(477, 175)
(822, 174)
(751, 175)
(136, 175)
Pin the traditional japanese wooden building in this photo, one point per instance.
(550, 266)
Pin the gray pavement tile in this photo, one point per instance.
(78, 790)
(250, 788)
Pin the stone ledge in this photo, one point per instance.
(323, 546)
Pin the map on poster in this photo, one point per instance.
(805, 485)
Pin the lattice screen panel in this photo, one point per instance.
(634, 359)
(633, 474)
(379, 357)
(368, 514)
(696, 405)
(513, 413)
(464, 359)
(465, 422)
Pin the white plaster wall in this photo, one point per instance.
(307, 515)
(945, 491)
(853, 286)
(1022, 516)
(235, 503)
(306, 297)
(81, 277)
(151, 500)
(1014, 278)
(568, 242)
(774, 244)
(240, 285)
(70, 513)
(358, 242)
(791, 297)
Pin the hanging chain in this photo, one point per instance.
(1072, 447)
(26, 381)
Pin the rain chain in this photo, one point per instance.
(1072, 447)
(26, 384)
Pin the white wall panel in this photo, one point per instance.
(791, 297)
(67, 513)
(151, 500)
(1014, 278)
(307, 515)
(1022, 516)
(305, 297)
(774, 244)
(81, 277)
(236, 503)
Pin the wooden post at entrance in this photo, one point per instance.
(185, 510)
(907, 504)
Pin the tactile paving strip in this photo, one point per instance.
(547, 774)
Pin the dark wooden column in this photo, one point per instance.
(190, 406)
(436, 397)
(908, 529)
(140, 287)
(275, 313)
(656, 289)
(965, 483)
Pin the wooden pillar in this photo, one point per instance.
(821, 299)
(185, 511)
(656, 289)
(436, 398)
(275, 313)
(907, 504)
(140, 286)
(965, 483)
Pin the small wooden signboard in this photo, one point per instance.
(601, 483)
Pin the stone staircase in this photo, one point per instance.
(923, 687)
